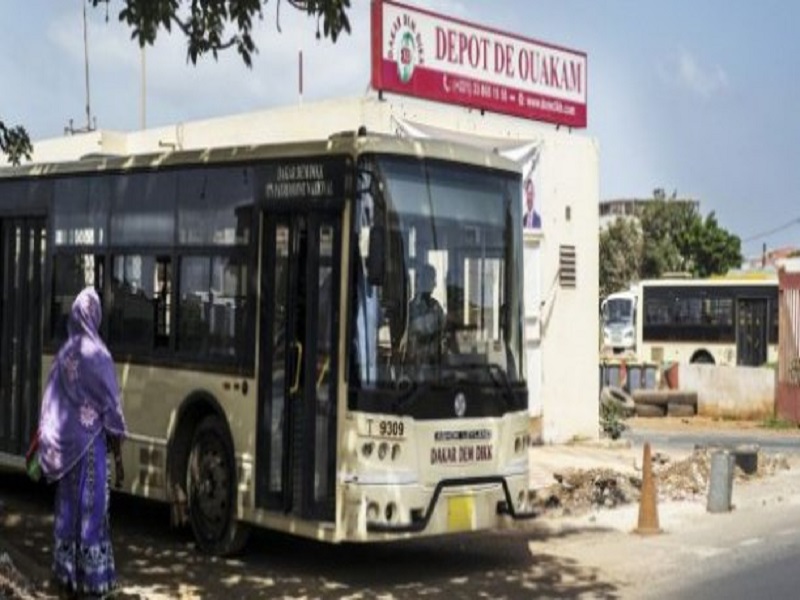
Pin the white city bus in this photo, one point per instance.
(256, 301)
(618, 322)
(722, 321)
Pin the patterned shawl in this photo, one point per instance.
(81, 399)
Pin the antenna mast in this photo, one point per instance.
(70, 129)
(86, 64)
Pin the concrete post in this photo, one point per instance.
(720, 481)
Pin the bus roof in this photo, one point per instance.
(348, 143)
(711, 282)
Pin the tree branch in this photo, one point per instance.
(15, 143)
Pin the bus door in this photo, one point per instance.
(751, 331)
(22, 258)
(296, 437)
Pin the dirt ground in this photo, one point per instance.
(700, 423)
(575, 491)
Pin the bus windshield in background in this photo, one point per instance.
(448, 307)
(618, 311)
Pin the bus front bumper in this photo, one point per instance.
(453, 505)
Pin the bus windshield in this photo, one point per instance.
(447, 306)
(618, 311)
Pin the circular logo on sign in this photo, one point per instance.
(460, 404)
(406, 56)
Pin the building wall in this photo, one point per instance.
(730, 392)
(570, 386)
(562, 363)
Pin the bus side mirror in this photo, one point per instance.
(376, 259)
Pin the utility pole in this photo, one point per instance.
(143, 99)
(86, 65)
(90, 126)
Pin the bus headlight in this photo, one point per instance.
(391, 511)
(383, 450)
(373, 510)
(522, 442)
(367, 449)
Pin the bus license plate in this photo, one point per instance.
(460, 513)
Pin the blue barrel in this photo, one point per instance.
(612, 374)
(649, 376)
(634, 377)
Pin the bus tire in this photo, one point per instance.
(611, 395)
(212, 484)
(651, 410)
(683, 399)
(651, 397)
(675, 409)
(701, 357)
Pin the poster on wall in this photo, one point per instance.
(531, 193)
(528, 158)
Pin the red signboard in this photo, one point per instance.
(419, 53)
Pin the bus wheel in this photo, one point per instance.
(702, 358)
(211, 481)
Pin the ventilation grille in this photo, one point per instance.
(566, 267)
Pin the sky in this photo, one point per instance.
(698, 98)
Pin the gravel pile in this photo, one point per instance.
(577, 491)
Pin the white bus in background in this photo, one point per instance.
(722, 321)
(618, 320)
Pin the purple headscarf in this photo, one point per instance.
(81, 398)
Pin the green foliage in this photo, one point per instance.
(673, 237)
(210, 26)
(620, 255)
(14, 143)
(712, 249)
(612, 420)
(777, 423)
(664, 228)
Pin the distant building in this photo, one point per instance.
(769, 259)
(629, 208)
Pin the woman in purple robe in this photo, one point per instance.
(81, 420)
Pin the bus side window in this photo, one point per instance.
(162, 301)
(71, 273)
(132, 322)
(212, 305)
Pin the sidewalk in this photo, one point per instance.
(625, 457)
(642, 566)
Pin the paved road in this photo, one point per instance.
(769, 441)
(749, 552)
(593, 557)
(158, 563)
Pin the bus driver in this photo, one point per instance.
(425, 321)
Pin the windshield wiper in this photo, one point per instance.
(499, 378)
(411, 395)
